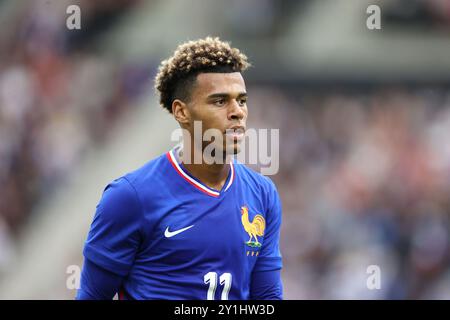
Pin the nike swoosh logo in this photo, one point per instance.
(170, 234)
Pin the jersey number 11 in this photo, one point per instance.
(225, 281)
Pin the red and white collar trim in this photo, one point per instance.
(195, 183)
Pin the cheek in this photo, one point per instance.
(201, 114)
(207, 121)
(212, 118)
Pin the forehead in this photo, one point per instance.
(209, 83)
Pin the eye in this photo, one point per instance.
(242, 101)
(220, 102)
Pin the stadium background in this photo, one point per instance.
(364, 119)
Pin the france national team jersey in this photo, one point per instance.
(171, 237)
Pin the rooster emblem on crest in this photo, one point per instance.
(254, 228)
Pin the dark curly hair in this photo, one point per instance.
(177, 74)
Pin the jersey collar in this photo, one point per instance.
(194, 182)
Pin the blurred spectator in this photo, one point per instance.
(57, 97)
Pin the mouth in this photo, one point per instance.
(235, 133)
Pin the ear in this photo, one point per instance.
(181, 111)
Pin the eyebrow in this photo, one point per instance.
(225, 95)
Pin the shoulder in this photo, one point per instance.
(250, 176)
(260, 184)
(126, 191)
(150, 172)
(148, 179)
(119, 197)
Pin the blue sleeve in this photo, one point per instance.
(114, 236)
(270, 255)
(266, 285)
(97, 283)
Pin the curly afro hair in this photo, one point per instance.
(177, 75)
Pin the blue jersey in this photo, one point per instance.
(171, 237)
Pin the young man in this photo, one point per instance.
(183, 229)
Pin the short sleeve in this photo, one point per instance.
(270, 255)
(114, 235)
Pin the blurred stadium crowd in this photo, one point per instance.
(58, 96)
(364, 180)
(364, 173)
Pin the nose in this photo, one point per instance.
(236, 112)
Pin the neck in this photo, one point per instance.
(213, 175)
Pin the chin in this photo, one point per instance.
(234, 149)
